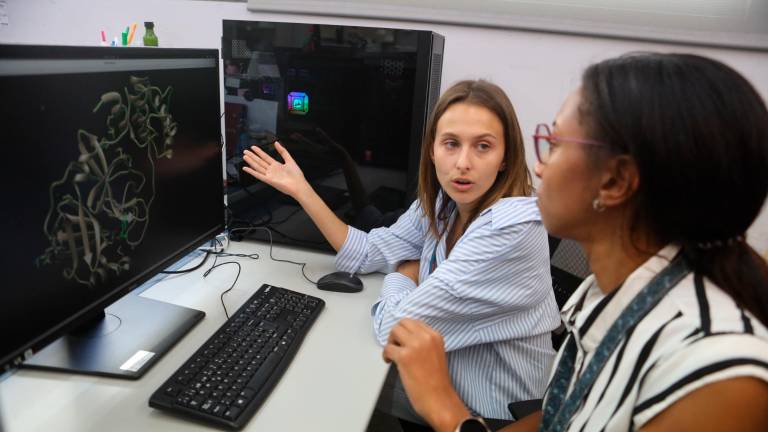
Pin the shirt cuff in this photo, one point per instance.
(396, 285)
(394, 288)
(352, 252)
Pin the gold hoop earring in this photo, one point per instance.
(598, 206)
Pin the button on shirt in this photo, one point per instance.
(696, 335)
(491, 298)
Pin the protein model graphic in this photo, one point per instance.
(100, 207)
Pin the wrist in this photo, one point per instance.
(445, 417)
(304, 193)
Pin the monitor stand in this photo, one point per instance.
(134, 333)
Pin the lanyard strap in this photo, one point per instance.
(433, 260)
(559, 409)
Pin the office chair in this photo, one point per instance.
(569, 267)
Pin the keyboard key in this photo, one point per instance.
(218, 410)
(232, 413)
(264, 372)
(207, 406)
(247, 393)
(172, 390)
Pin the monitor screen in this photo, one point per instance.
(349, 103)
(112, 170)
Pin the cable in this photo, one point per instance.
(269, 225)
(191, 269)
(221, 297)
(269, 233)
(217, 248)
(253, 256)
(208, 251)
(221, 136)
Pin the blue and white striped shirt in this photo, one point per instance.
(491, 299)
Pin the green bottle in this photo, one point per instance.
(150, 38)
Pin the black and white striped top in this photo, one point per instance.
(695, 336)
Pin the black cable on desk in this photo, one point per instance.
(221, 297)
(271, 243)
(255, 256)
(191, 269)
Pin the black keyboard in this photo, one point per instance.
(232, 374)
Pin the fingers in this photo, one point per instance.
(256, 151)
(397, 342)
(419, 333)
(259, 176)
(414, 326)
(407, 331)
(283, 152)
(398, 334)
(391, 353)
(255, 162)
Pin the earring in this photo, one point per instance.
(598, 206)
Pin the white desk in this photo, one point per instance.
(331, 385)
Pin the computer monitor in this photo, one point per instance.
(112, 170)
(349, 103)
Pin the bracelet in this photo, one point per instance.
(472, 424)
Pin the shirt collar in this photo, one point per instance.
(512, 210)
(588, 296)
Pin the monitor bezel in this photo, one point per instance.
(93, 310)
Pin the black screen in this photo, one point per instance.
(342, 100)
(112, 168)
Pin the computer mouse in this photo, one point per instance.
(340, 282)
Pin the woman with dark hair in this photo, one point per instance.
(469, 257)
(657, 165)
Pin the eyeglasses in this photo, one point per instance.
(543, 141)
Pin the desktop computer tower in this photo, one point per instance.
(349, 103)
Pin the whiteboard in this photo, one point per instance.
(720, 23)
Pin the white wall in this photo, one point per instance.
(536, 69)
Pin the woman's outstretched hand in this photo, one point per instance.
(419, 353)
(285, 177)
(288, 179)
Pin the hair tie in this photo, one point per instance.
(715, 244)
